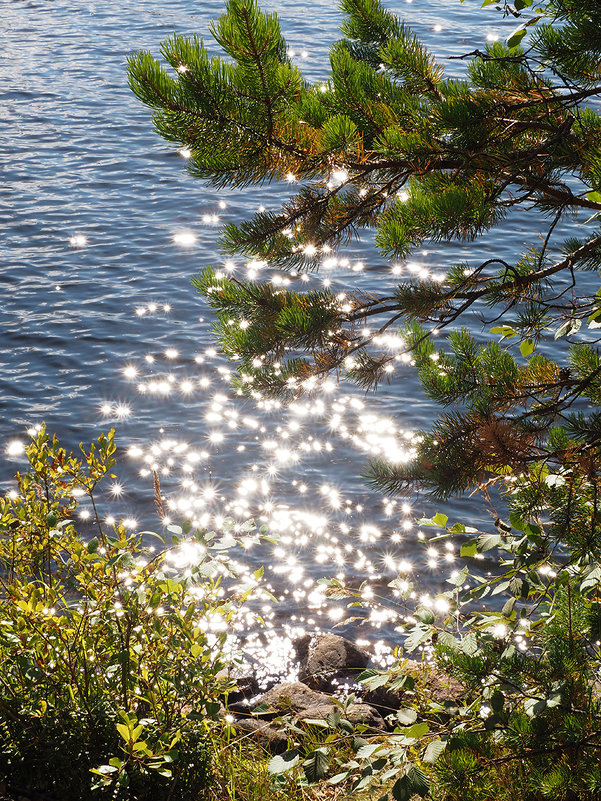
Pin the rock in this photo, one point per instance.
(242, 707)
(385, 701)
(318, 712)
(439, 686)
(301, 647)
(328, 660)
(443, 688)
(365, 713)
(354, 713)
(246, 687)
(304, 703)
(267, 735)
(291, 696)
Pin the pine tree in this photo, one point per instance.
(390, 144)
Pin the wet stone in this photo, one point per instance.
(327, 661)
(354, 713)
(268, 736)
(290, 696)
(246, 687)
(303, 703)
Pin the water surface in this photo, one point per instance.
(100, 326)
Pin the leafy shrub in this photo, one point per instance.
(111, 657)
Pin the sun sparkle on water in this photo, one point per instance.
(255, 457)
(258, 458)
(319, 528)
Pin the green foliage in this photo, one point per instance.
(390, 144)
(438, 208)
(111, 657)
(422, 158)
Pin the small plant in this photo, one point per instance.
(111, 657)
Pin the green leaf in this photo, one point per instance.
(506, 330)
(135, 735)
(434, 750)
(175, 529)
(439, 520)
(283, 762)
(93, 545)
(402, 789)
(406, 716)
(424, 615)
(339, 777)
(593, 320)
(592, 578)
(527, 347)
(416, 637)
(333, 718)
(469, 548)
(534, 706)
(508, 607)
(459, 578)
(569, 327)
(516, 521)
(457, 528)
(486, 542)
(374, 680)
(162, 771)
(317, 722)
(367, 750)
(359, 742)
(103, 770)
(417, 730)
(520, 4)
(414, 782)
(419, 781)
(225, 543)
(346, 726)
(508, 652)
(497, 701)
(124, 731)
(316, 766)
(595, 197)
(469, 644)
(516, 37)
(519, 587)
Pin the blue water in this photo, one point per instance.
(80, 158)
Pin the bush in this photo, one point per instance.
(111, 658)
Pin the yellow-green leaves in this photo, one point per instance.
(507, 331)
(527, 347)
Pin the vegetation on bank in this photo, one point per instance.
(390, 144)
(103, 645)
(112, 663)
(114, 671)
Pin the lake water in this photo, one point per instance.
(102, 230)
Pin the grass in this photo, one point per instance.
(240, 774)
